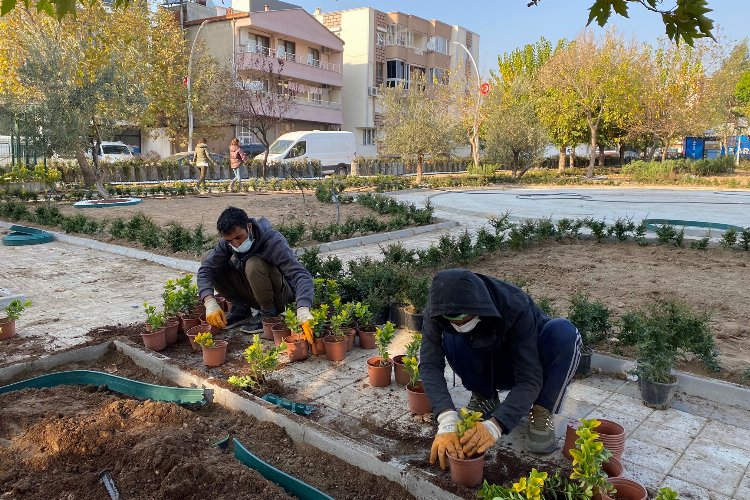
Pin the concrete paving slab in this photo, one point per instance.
(603, 382)
(726, 434)
(629, 422)
(676, 419)
(642, 475)
(627, 404)
(575, 409)
(690, 491)
(587, 393)
(732, 416)
(743, 490)
(665, 437)
(719, 452)
(650, 456)
(710, 475)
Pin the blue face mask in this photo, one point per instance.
(245, 246)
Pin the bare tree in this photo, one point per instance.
(264, 99)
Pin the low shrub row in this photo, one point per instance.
(646, 171)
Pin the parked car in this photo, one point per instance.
(189, 157)
(114, 152)
(253, 149)
(334, 150)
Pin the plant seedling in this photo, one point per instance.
(320, 317)
(15, 308)
(412, 348)
(155, 319)
(383, 338)
(411, 365)
(205, 339)
(290, 319)
(260, 362)
(187, 297)
(588, 457)
(666, 493)
(338, 321)
(363, 316)
(467, 420)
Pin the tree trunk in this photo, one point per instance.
(664, 152)
(601, 155)
(592, 153)
(573, 157)
(515, 163)
(91, 177)
(420, 168)
(622, 154)
(561, 161)
(474, 143)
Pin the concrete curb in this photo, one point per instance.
(380, 237)
(709, 389)
(89, 353)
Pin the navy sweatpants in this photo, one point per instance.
(484, 370)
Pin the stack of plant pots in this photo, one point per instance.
(611, 434)
(192, 332)
(268, 324)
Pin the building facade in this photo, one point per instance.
(245, 42)
(385, 49)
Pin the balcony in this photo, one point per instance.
(256, 58)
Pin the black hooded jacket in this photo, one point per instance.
(510, 325)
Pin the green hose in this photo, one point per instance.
(139, 390)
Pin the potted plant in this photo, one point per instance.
(336, 342)
(610, 433)
(214, 351)
(592, 321)
(321, 326)
(154, 337)
(260, 363)
(379, 368)
(297, 346)
(268, 324)
(366, 329)
(349, 322)
(187, 302)
(416, 399)
(13, 312)
(171, 300)
(526, 488)
(412, 350)
(469, 470)
(415, 297)
(194, 331)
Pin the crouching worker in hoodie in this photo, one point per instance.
(252, 266)
(495, 338)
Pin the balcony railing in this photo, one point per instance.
(289, 56)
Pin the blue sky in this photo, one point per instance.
(506, 24)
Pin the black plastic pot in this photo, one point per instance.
(404, 319)
(657, 395)
(584, 365)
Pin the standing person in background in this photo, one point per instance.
(202, 159)
(236, 158)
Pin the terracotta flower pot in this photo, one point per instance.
(613, 467)
(400, 373)
(215, 356)
(416, 400)
(297, 347)
(610, 433)
(380, 376)
(188, 321)
(367, 340)
(191, 334)
(350, 339)
(267, 327)
(8, 328)
(280, 332)
(335, 350)
(468, 472)
(156, 341)
(176, 318)
(627, 489)
(320, 346)
(170, 331)
(199, 309)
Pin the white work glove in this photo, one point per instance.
(214, 313)
(480, 438)
(446, 439)
(303, 315)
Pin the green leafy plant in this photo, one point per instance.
(338, 321)
(320, 320)
(290, 319)
(326, 291)
(363, 316)
(621, 228)
(466, 420)
(155, 319)
(383, 337)
(729, 238)
(526, 488)
(701, 244)
(411, 365)
(416, 293)
(412, 348)
(171, 298)
(186, 293)
(261, 363)
(547, 307)
(666, 493)
(598, 229)
(205, 339)
(591, 318)
(588, 457)
(16, 307)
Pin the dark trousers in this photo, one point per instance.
(257, 284)
(486, 370)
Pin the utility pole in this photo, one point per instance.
(190, 85)
(475, 132)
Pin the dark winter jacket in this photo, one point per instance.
(510, 325)
(271, 247)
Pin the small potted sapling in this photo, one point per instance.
(260, 364)
(412, 350)
(366, 329)
(320, 326)
(171, 311)
(469, 470)
(13, 312)
(154, 337)
(350, 322)
(297, 346)
(379, 367)
(214, 351)
(416, 399)
(415, 297)
(187, 302)
(336, 341)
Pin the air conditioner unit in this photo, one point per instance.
(325, 50)
(431, 44)
(373, 91)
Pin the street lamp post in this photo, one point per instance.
(189, 87)
(475, 132)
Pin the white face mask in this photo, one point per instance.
(468, 326)
(245, 245)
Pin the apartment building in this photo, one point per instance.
(388, 48)
(312, 69)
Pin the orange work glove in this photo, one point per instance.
(214, 313)
(446, 440)
(480, 438)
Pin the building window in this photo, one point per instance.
(379, 73)
(441, 45)
(258, 44)
(397, 34)
(313, 57)
(286, 49)
(246, 136)
(437, 75)
(398, 72)
(381, 39)
(368, 136)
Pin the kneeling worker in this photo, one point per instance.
(495, 338)
(252, 266)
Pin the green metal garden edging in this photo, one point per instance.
(290, 484)
(293, 406)
(23, 235)
(140, 390)
(652, 223)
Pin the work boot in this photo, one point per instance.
(540, 437)
(482, 404)
(238, 313)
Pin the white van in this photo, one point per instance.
(114, 152)
(334, 150)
